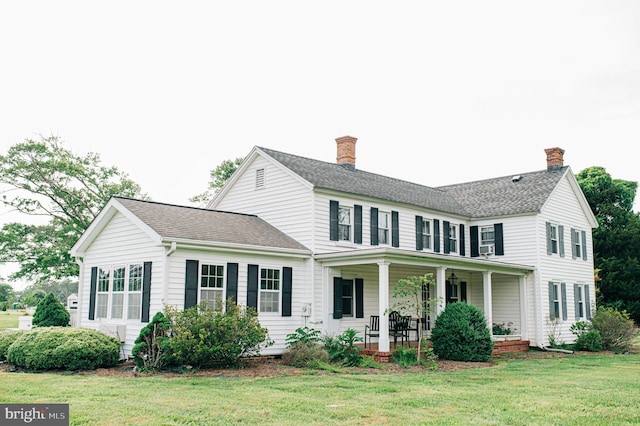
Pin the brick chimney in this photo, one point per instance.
(347, 151)
(555, 158)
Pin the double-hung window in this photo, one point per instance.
(347, 298)
(553, 236)
(119, 292)
(212, 285)
(581, 312)
(269, 290)
(453, 239)
(555, 301)
(487, 236)
(426, 234)
(383, 227)
(577, 243)
(344, 223)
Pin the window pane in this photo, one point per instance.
(116, 305)
(118, 279)
(135, 277)
(213, 298)
(269, 301)
(134, 309)
(102, 301)
(103, 279)
(212, 276)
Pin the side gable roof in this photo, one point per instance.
(181, 223)
(507, 195)
(353, 181)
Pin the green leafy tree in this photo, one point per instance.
(408, 293)
(218, 177)
(6, 292)
(67, 191)
(150, 351)
(50, 313)
(616, 240)
(33, 297)
(60, 288)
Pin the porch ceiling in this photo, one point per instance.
(408, 257)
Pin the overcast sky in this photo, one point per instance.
(436, 92)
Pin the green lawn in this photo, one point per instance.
(573, 390)
(9, 319)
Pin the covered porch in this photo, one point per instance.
(359, 285)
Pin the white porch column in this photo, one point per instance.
(441, 292)
(486, 289)
(383, 305)
(524, 333)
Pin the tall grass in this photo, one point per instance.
(574, 390)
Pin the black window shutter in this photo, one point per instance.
(395, 229)
(573, 244)
(357, 224)
(584, 245)
(563, 288)
(359, 298)
(146, 291)
(287, 290)
(463, 249)
(463, 291)
(549, 246)
(498, 234)
(333, 220)
(436, 235)
(561, 240)
(445, 236)
(473, 236)
(232, 282)
(419, 244)
(448, 291)
(252, 286)
(92, 292)
(587, 302)
(576, 305)
(337, 297)
(191, 284)
(374, 228)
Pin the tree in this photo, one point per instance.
(617, 239)
(218, 176)
(50, 313)
(33, 298)
(409, 292)
(6, 292)
(47, 180)
(61, 289)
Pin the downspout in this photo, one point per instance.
(80, 263)
(165, 284)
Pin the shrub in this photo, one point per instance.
(590, 341)
(203, 337)
(64, 348)
(303, 335)
(460, 333)
(50, 313)
(305, 354)
(342, 349)
(6, 339)
(150, 351)
(615, 328)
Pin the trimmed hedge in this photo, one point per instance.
(63, 348)
(6, 339)
(460, 333)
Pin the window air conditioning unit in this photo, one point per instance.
(487, 249)
(118, 331)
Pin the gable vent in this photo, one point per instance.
(259, 178)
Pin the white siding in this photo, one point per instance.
(284, 201)
(121, 243)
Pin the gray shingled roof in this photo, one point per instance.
(486, 198)
(190, 223)
(506, 195)
(351, 180)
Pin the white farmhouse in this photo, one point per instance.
(317, 244)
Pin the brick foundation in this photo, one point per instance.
(510, 346)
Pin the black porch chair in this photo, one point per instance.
(399, 327)
(372, 330)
